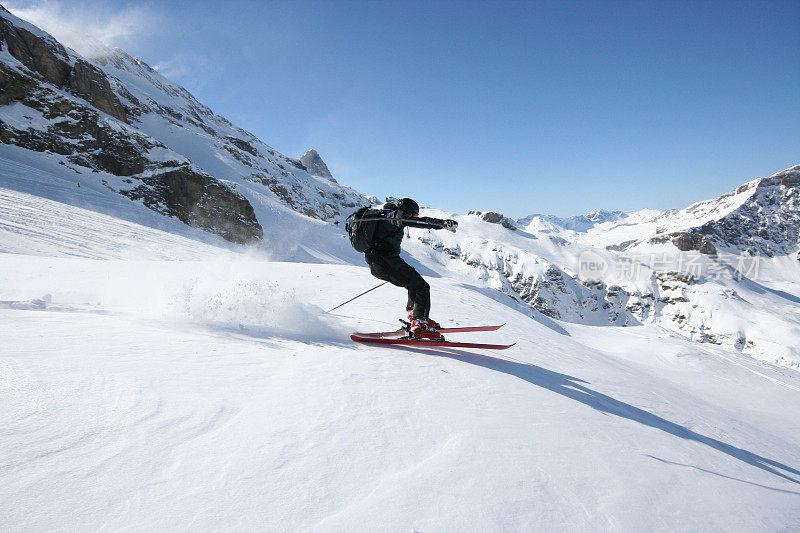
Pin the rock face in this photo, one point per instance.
(49, 59)
(686, 241)
(495, 218)
(201, 202)
(768, 223)
(315, 165)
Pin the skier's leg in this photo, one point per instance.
(380, 271)
(400, 273)
(420, 294)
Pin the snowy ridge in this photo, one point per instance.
(169, 113)
(759, 217)
(576, 223)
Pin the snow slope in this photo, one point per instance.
(149, 381)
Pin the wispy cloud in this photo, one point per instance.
(80, 25)
(192, 70)
(70, 22)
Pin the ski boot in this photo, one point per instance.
(425, 329)
(432, 323)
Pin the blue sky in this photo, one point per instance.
(518, 107)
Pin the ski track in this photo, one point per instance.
(32, 225)
(756, 372)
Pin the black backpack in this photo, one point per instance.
(362, 232)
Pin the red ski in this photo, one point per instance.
(429, 343)
(402, 331)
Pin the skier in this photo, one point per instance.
(385, 262)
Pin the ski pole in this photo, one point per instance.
(416, 221)
(354, 297)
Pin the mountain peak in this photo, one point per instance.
(604, 215)
(315, 165)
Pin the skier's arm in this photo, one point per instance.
(433, 223)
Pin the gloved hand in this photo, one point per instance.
(450, 225)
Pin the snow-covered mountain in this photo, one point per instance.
(166, 364)
(724, 271)
(575, 223)
(762, 217)
(112, 123)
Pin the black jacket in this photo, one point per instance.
(389, 232)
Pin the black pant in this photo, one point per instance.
(393, 269)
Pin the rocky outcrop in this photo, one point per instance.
(243, 145)
(49, 59)
(13, 85)
(688, 241)
(45, 57)
(91, 84)
(768, 223)
(75, 130)
(495, 218)
(199, 201)
(789, 178)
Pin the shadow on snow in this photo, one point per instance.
(576, 389)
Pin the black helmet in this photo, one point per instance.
(408, 206)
